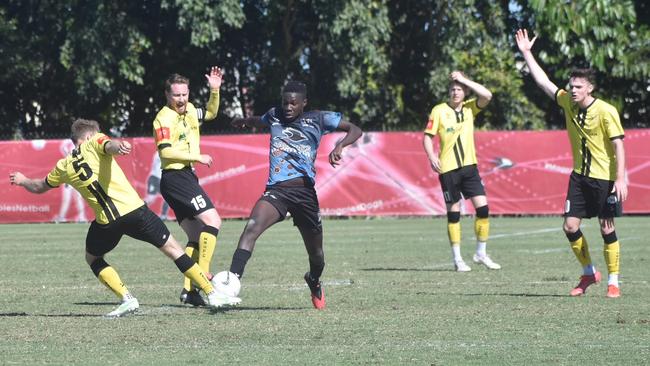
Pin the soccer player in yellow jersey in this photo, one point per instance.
(94, 173)
(453, 122)
(176, 133)
(597, 182)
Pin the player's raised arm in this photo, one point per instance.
(352, 135)
(214, 79)
(525, 46)
(484, 95)
(31, 185)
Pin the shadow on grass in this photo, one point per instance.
(388, 269)
(22, 314)
(518, 295)
(257, 308)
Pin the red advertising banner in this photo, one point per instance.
(383, 174)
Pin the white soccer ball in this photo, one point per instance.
(226, 283)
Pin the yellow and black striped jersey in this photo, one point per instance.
(98, 178)
(181, 131)
(456, 131)
(590, 133)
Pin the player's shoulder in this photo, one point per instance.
(439, 107)
(166, 114)
(605, 106)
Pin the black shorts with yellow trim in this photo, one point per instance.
(141, 224)
(299, 200)
(589, 197)
(181, 189)
(462, 182)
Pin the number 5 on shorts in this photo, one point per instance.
(198, 202)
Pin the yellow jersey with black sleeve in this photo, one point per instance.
(179, 134)
(98, 178)
(456, 131)
(591, 131)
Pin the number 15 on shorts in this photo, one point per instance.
(198, 202)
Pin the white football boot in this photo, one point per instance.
(218, 300)
(461, 266)
(489, 263)
(127, 306)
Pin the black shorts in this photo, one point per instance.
(589, 197)
(141, 224)
(300, 201)
(465, 181)
(181, 190)
(153, 185)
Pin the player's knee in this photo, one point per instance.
(483, 212)
(570, 228)
(210, 217)
(98, 265)
(453, 217)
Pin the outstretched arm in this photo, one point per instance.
(525, 45)
(32, 185)
(352, 135)
(118, 147)
(484, 95)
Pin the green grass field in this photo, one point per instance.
(393, 298)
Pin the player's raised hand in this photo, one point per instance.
(206, 159)
(215, 77)
(458, 76)
(336, 155)
(16, 178)
(523, 42)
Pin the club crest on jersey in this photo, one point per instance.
(293, 134)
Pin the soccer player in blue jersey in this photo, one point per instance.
(295, 136)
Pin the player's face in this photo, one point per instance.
(456, 94)
(580, 89)
(177, 97)
(292, 105)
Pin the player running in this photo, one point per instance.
(459, 178)
(295, 137)
(597, 182)
(94, 173)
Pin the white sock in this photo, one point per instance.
(455, 252)
(127, 296)
(480, 248)
(588, 270)
(613, 279)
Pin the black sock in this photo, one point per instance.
(316, 267)
(239, 260)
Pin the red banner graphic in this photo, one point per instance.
(383, 174)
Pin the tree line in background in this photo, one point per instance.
(383, 63)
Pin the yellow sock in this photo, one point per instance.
(453, 230)
(612, 253)
(191, 252)
(109, 277)
(482, 228)
(207, 244)
(581, 250)
(199, 278)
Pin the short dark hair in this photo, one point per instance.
(81, 127)
(588, 74)
(295, 87)
(175, 79)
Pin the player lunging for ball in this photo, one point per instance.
(295, 136)
(456, 163)
(92, 170)
(597, 182)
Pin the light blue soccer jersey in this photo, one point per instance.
(294, 144)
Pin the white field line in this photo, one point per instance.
(520, 233)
